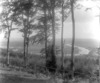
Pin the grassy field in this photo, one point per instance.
(83, 64)
(16, 79)
(85, 67)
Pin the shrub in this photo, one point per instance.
(16, 62)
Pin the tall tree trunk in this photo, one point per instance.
(62, 45)
(24, 43)
(27, 38)
(73, 37)
(53, 52)
(45, 25)
(53, 27)
(27, 47)
(8, 42)
(24, 50)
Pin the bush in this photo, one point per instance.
(3, 60)
(83, 67)
(16, 62)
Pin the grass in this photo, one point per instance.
(16, 79)
(85, 66)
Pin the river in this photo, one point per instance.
(82, 50)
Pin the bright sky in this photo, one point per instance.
(1, 33)
(87, 24)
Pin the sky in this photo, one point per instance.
(86, 23)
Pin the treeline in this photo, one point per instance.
(39, 21)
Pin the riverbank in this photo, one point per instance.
(82, 50)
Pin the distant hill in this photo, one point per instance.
(86, 43)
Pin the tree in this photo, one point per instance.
(45, 24)
(53, 34)
(26, 12)
(51, 6)
(7, 21)
(65, 12)
(44, 7)
(62, 51)
(73, 37)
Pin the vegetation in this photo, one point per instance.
(7, 22)
(85, 67)
(38, 23)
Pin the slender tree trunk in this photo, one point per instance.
(73, 38)
(8, 42)
(53, 27)
(45, 24)
(27, 48)
(24, 43)
(53, 52)
(62, 45)
(24, 49)
(27, 38)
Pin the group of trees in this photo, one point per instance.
(37, 20)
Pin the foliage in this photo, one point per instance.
(39, 22)
(42, 51)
